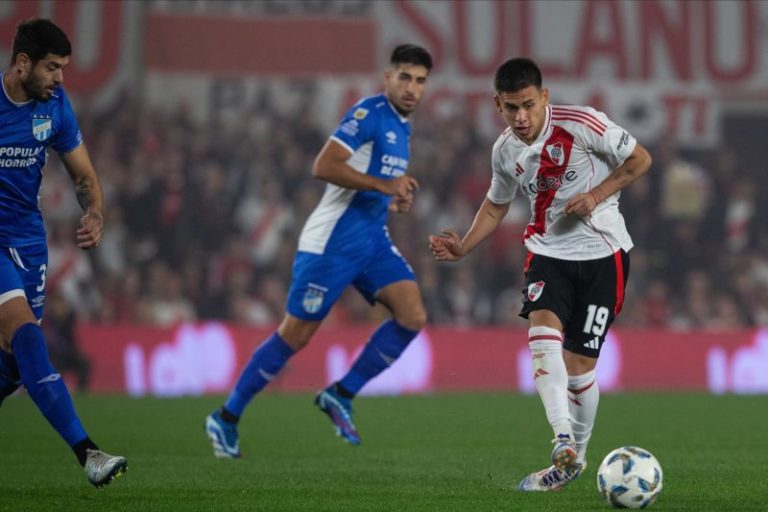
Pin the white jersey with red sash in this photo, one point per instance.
(578, 147)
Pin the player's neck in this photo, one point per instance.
(13, 89)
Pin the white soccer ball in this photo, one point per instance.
(629, 477)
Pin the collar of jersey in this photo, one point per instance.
(5, 93)
(402, 119)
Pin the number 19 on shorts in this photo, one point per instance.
(597, 319)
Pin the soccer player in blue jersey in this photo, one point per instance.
(35, 114)
(345, 242)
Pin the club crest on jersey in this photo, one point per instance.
(313, 298)
(556, 152)
(534, 290)
(42, 127)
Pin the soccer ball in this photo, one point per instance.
(629, 477)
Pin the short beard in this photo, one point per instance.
(34, 89)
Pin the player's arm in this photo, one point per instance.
(449, 247)
(89, 196)
(331, 166)
(636, 164)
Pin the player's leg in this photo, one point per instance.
(317, 283)
(548, 299)
(603, 284)
(386, 278)
(391, 338)
(264, 365)
(48, 391)
(21, 335)
(583, 399)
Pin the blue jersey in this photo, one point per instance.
(26, 131)
(346, 219)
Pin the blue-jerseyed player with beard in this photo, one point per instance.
(345, 242)
(35, 114)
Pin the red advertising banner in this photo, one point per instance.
(194, 359)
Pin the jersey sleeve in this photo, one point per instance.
(357, 127)
(67, 136)
(614, 144)
(503, 187)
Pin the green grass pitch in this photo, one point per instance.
(455, 452)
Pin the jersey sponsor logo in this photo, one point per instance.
(535, 290)
(360, 113)
(391, 137)
(544, 182)
(42, 127)
(393, 165)
(313, 298)
(556, 152)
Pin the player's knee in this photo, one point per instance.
(414, 319)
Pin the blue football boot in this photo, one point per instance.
(339, 410)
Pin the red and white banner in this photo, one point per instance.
(207, 358)
(658, 68)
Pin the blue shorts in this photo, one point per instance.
(22, 274)
(319, 279)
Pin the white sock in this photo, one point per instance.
(550, 376)
(583, 397)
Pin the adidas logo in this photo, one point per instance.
(594, 343)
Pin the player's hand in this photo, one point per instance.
(401, 187)
(401, 204)
(91, 229)
(446, 247)
(581, 205)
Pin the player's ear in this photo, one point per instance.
(23, 63)
(545, 96)
(497, 101)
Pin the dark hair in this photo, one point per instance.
(411, 54)
(37, 38)
(517, 74)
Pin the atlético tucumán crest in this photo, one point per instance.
(313, 298)
(556, 152)
(42, 127)
(534, 290)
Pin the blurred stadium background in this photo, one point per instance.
(203, 118)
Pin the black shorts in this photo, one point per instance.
(585, 295)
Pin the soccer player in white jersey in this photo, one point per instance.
(35, 115)
(571, 162)
(345, 242)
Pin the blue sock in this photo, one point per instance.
(265, 363)
(44, 384)
(9, 375)
(385, 346)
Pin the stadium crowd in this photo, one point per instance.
(202, 221)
